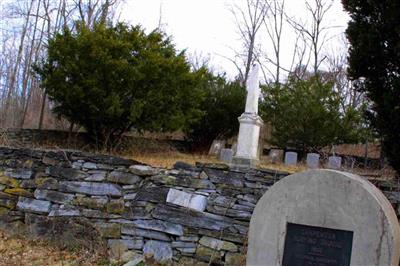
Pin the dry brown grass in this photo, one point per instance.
(22, 252)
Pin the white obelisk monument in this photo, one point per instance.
(250, 124)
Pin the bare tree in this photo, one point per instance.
(315, 31)
(248, 22)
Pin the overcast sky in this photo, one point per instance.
(207, 27)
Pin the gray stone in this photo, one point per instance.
(334, 162)
(188, 238)
(187, 200)
(19, 173)
(89, 165)
(329, 199)
(161, 226)
(66, 173)
(312, 160)
(218, 244)
(138, 258)
(182, 244)
(96, 176)
(143, 170)
(33, 205)
(183, 181)
(160, 251)
(64, 212)
(290, 158)
(128, 229)
(53, 196)
(123, 177)
(130, 196)
(187, 250)
(226, 155)
(91, 188)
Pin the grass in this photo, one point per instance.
(19, 251)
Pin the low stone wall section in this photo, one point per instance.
(188, 215)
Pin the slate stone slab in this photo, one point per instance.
(128, 229)
(123, 178)
(225, 177)
(66, 173)
(161, 226)
(160, 251)
(191, 218)
(187, 200)
(53, 196)
(143, 170)
(33, 205)
(183, 181)
(91, 188)
(19, 173)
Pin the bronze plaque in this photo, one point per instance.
(316, 246)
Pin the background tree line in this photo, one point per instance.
(149, 85)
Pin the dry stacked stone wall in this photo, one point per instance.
(188, 215)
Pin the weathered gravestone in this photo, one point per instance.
(312, 160)
(334, 162)
(290, 158)
(323, 218)
(216, 147)
(276, 155)
(226, 155)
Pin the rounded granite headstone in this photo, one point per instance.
(323, 217)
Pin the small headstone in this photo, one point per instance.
(334, 162)
(216, 147)
(290, 158)
(276, 155)
(323, 217)
(312, 160)
(226, 155)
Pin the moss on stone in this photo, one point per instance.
(8, 181)
(115, 207)
(19, 192)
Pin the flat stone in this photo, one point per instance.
(189, 238)
(19, 173)
(222, 201)
(192, 218)
(130, 196)
(332, 200)
(32, 205)
(7, 203)
(66, 173)
(91, 203)
(185, 166)
(19, 192)
(160, 251)
(45, 183)
(208, 254)
(225, 177)
(135, 260)
(143, 170)
(99, 176)
(195, 183)
(128, 229)
(115, 206)
(152, 194)
(187, 250)
(91, 188)
(161, 226)
(182, 244)
(64, 212)
(8, 181)
(53, 196)
(89, 165)
(239, 214)
(187, 200)
(218, 244)
(123, 178)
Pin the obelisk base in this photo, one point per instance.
(247, 147)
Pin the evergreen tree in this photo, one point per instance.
(305, 115)
(110, 79)
(374, 36)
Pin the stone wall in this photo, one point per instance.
(187, 215)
